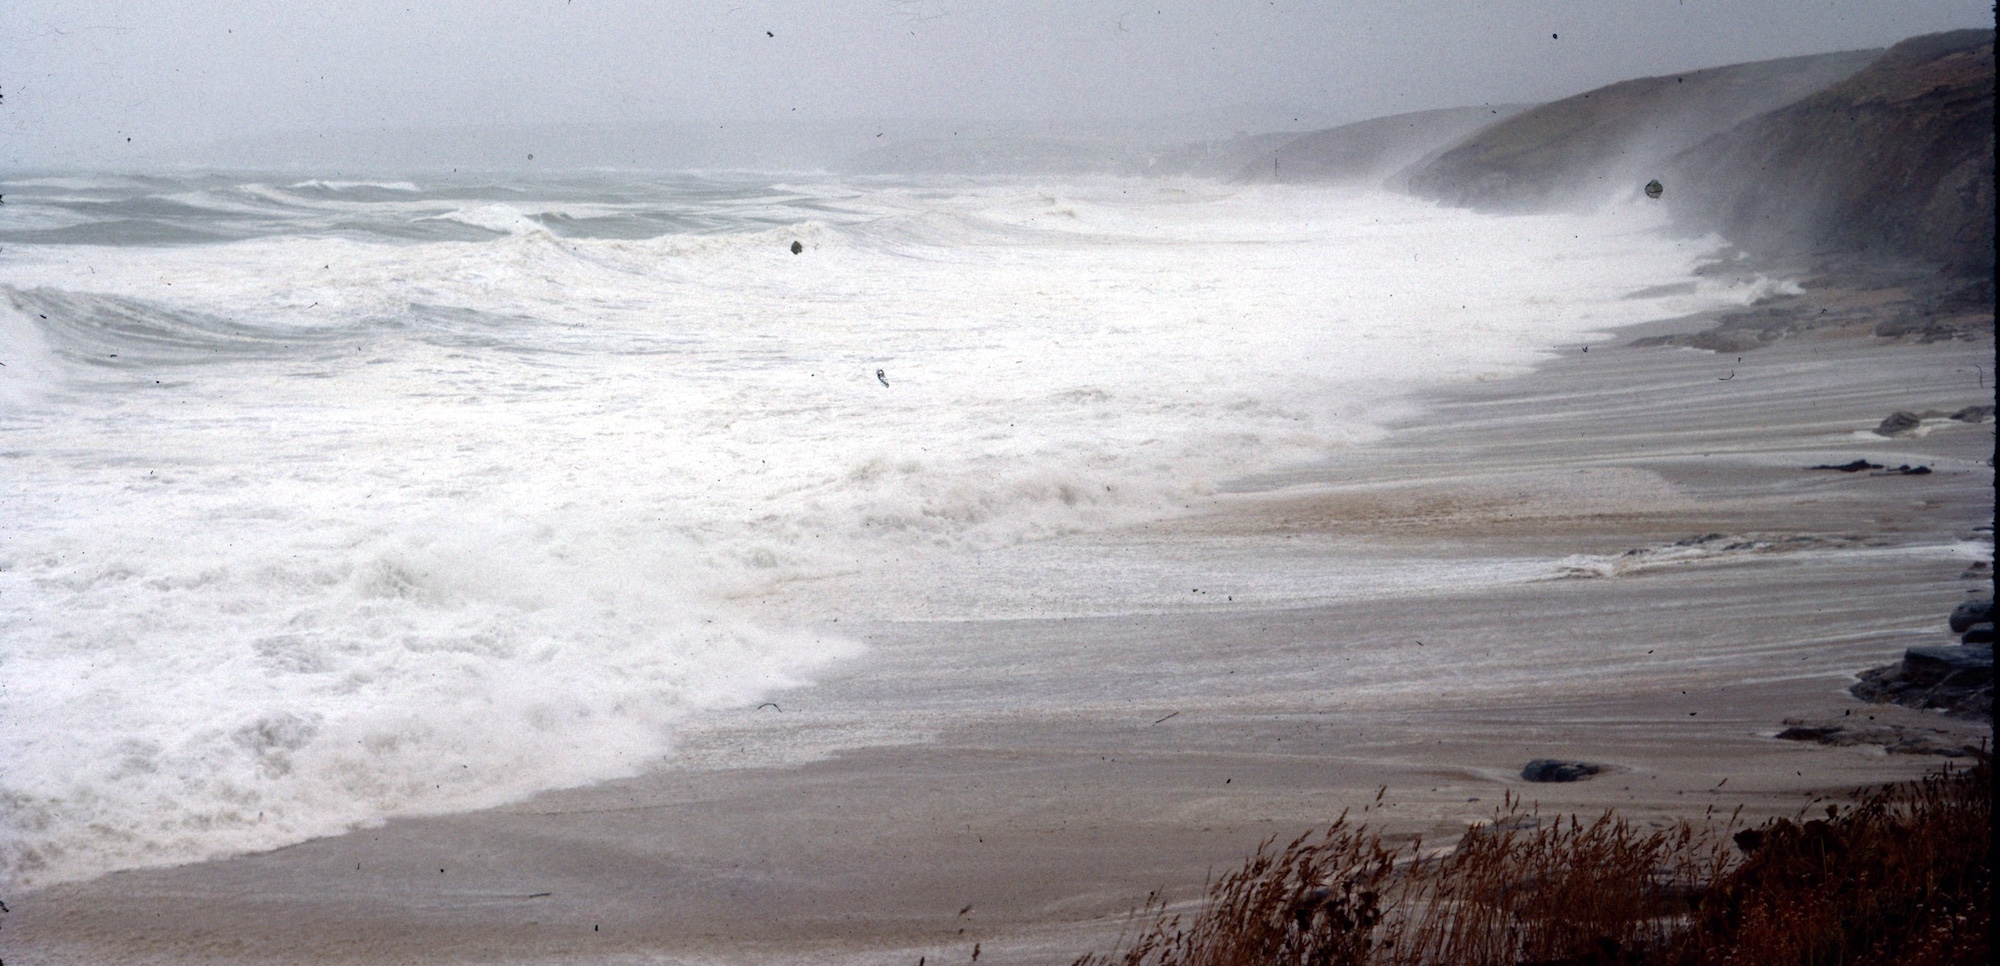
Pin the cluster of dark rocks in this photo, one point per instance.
(1899, 422)
(1896, 739)
(1973, 621)
(1859, 465)
(1956, 679)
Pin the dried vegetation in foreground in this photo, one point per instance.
(1903, 877)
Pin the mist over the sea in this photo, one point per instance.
(387, 88)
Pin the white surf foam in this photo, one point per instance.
(27, 369)
(424, 527)
(326, 185)
(505, 219)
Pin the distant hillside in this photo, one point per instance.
(1215, 159)
(1372, 151)
(1131, 155)
(994, 156)
(1583, 149)
(1896, 159)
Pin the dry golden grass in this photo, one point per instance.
(1904, 876)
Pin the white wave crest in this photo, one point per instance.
(505, 219)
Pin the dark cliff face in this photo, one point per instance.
(1372, 151)
(1586, 149)
(1896, 160)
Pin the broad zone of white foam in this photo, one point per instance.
(320, 530)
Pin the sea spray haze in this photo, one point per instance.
(331, 501)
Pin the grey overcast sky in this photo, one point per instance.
(78, 77)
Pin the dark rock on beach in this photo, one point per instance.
(1555, 770)
(1971, 612)
(1943, 664)
(1898, 423)
(1955, 679)
(1978, 634)
(1895, 739)
(1857, 466)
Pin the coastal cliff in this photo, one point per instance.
(1374, 151)
(1582, 150)
(1896, 160)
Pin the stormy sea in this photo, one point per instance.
(331, 501)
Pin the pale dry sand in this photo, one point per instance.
(1021, 767)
